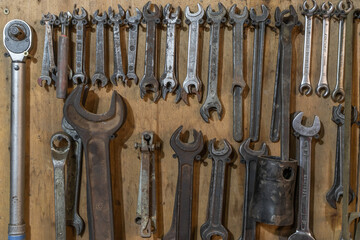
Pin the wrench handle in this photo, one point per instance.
(150, 49)
(213, 59)
(59, 182)
(341, 56)
(45, 68)
(307, 50)
(146, 225)
(324, 51)
(118, 65)
(193, 50)
(80, 53)
(132, 49)
(238, 46)
(237, 114)
(63, 60)
(100, 48)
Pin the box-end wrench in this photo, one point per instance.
(95, 131)
(214, 222)
(338, 95)
(212, 102)
(187, 153)
(305, 134)
(99, 74)
(116, 20)
(238, 85)
(192, 82)
(322, 88)
(59, 156)
(149, 82)
(305, 85)
(133, 22)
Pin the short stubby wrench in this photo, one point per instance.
(214, 222)
(323, 85)
(187, 153)
(305, 85)
(212, 102)
(59, 156)
(80, 21)
(238, 85)
(338, 95)
(95, 131)
(192, 82)
(149, 82)
(116, 20)
(168, 79)
(99, 74)
(17, 39)
(133, 22)
(305, 134)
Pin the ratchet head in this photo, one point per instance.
(133, 19)
(238, 18)
(170, 16)
(248, 154)
(99, 18)
(116, 18)
(149, 15)
(196, 16)
(309, 11)
(303, 130)
(259, 18)
(338, 95)
(327, 9)
(218, 16)
(224, 153)
(59, 153)
(322, 90)
(211, 103)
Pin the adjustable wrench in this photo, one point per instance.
(116, 20)
(80, 20)
(95, 131)
(133, 22)
(213, 225)
(338, 95)
(181, 227)
(305, 134)
(212, 102)
(259, 22)
(99, 74)
(149, 82)
(323, 85)
(192, 82)
(59, 156)
(238, 85)
(305, 85)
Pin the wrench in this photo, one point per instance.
(181, 227)
(305, 86)
(220, 158)
(99, 74)
(95, 131)
(338, 95)
(149, 82)
(323, 85)
(192, 82)
(305, 134)
(80, 20)
(59, 156)
(133, 23)
(238, 85)
(168, 80)
(116, 20)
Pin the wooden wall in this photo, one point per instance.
(44, 114)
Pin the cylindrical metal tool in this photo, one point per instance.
(62, 64)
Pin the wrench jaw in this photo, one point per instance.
(305, 88)
(150, 84)
(338, 95)
(309, 11)
(168, 84)
(133, 19)
(303, 130)
(248, 154)
(322, 90)
(218, 16)
(238, 18)
(259, 18)
(149, 15)
(194, 148)
(208, 231)
(194, 16)
(99, 78)
(211, 103)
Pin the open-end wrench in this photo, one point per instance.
(133, 22)
(192, 82)
(95, 131)
(238, 85)
(116, 20)
(168, 79)
(305, 85)
(181, 226)
(99, 74)
(323, 85)
(305, 134)
(59, 156)
(149, 82)
(212, 102)
(80, 20)
(338, 95)
(214, 222)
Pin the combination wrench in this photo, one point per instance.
(212, 102)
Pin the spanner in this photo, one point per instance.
(99, 74)
(214, 222)
(59, 156)
(192, 82)
(305, 134)
(338, 95)
(95, 131)
(238, 85)
(305, 85)
(168, 79)
(149, 82)
(116, 20)
(133, 22)
(323, 85)
(181, 226)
